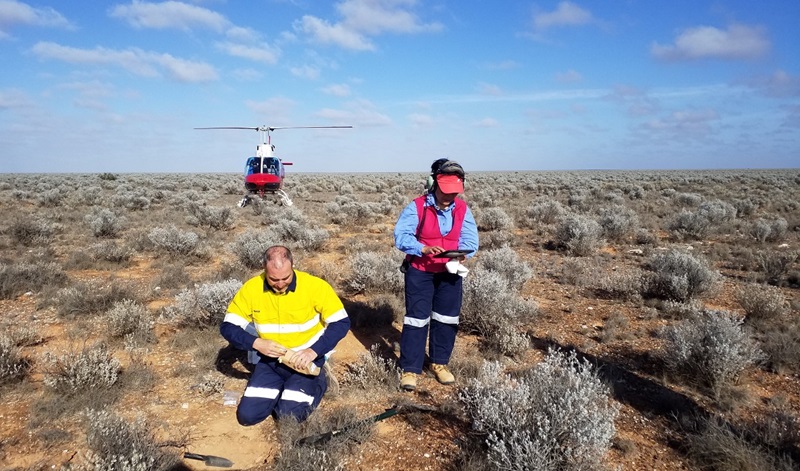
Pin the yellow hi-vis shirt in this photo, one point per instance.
(295, 319)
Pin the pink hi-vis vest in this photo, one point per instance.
(430, 234)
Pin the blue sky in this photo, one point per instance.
(96, 86)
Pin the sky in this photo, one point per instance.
(497, 85)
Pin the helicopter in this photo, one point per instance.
(264, 173)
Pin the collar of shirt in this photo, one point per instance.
(292, 286)
(431, 201)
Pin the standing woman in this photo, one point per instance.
(433, 223)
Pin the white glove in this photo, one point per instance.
(454, 266)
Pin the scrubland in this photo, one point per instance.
(611, 320)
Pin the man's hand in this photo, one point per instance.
(301, 359)
(269, 348)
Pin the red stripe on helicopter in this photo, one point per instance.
(262, 179)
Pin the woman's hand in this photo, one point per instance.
(431, 249)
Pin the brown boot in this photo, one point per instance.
(443, 375)
(408, 381)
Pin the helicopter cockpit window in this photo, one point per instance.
(253, 165)
(271, 166)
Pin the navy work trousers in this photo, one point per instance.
(433, 302)
(276, 388)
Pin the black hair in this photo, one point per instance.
(436, 165)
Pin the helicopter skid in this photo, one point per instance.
(284, 198)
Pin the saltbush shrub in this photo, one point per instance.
(32, 231)
(19, 278)
(90, 370)
(678, 276)
(545, 210)
(781, 344)
(296, 234)
(493, 310)
(494, 219)
(211, 216)
(117, 444)
(13, 366)
(373, 372)
(718, 446)
(710, 349)
(557, 415)
(762, 303)
(204, 305)
(173, 240)
(249, 247)
(105, 223)
(689, 225)
(579, 235)
(131, 321)
(617, 222)
(84, 299)
(775, 265)
(508, 264)
(772, 230)
(374, 272)
(110, 251)
(717, 211)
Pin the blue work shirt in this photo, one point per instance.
(405, 230)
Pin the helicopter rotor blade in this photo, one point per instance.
(231, 127)
(272, 128)
(310, 127)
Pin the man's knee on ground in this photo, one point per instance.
(249, 417)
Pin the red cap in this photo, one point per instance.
(450, 183)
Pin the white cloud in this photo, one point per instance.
(489, 89)
(14, 13)
(419, 120)
(683, 124)
(169, 15)
(14, 98)
(323, 32)
(503, 65)
(241, 33)
(260, 53)
(277, 109)
(779, 84)
(143, 63)
(337, 89)
(362, 19)
(375, 17)
(307, 72)
(569, 76)
(703, 42)
(567, 14)
(360, 113)
(488, 123)
(247, 75)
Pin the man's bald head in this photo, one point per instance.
(278, 268)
